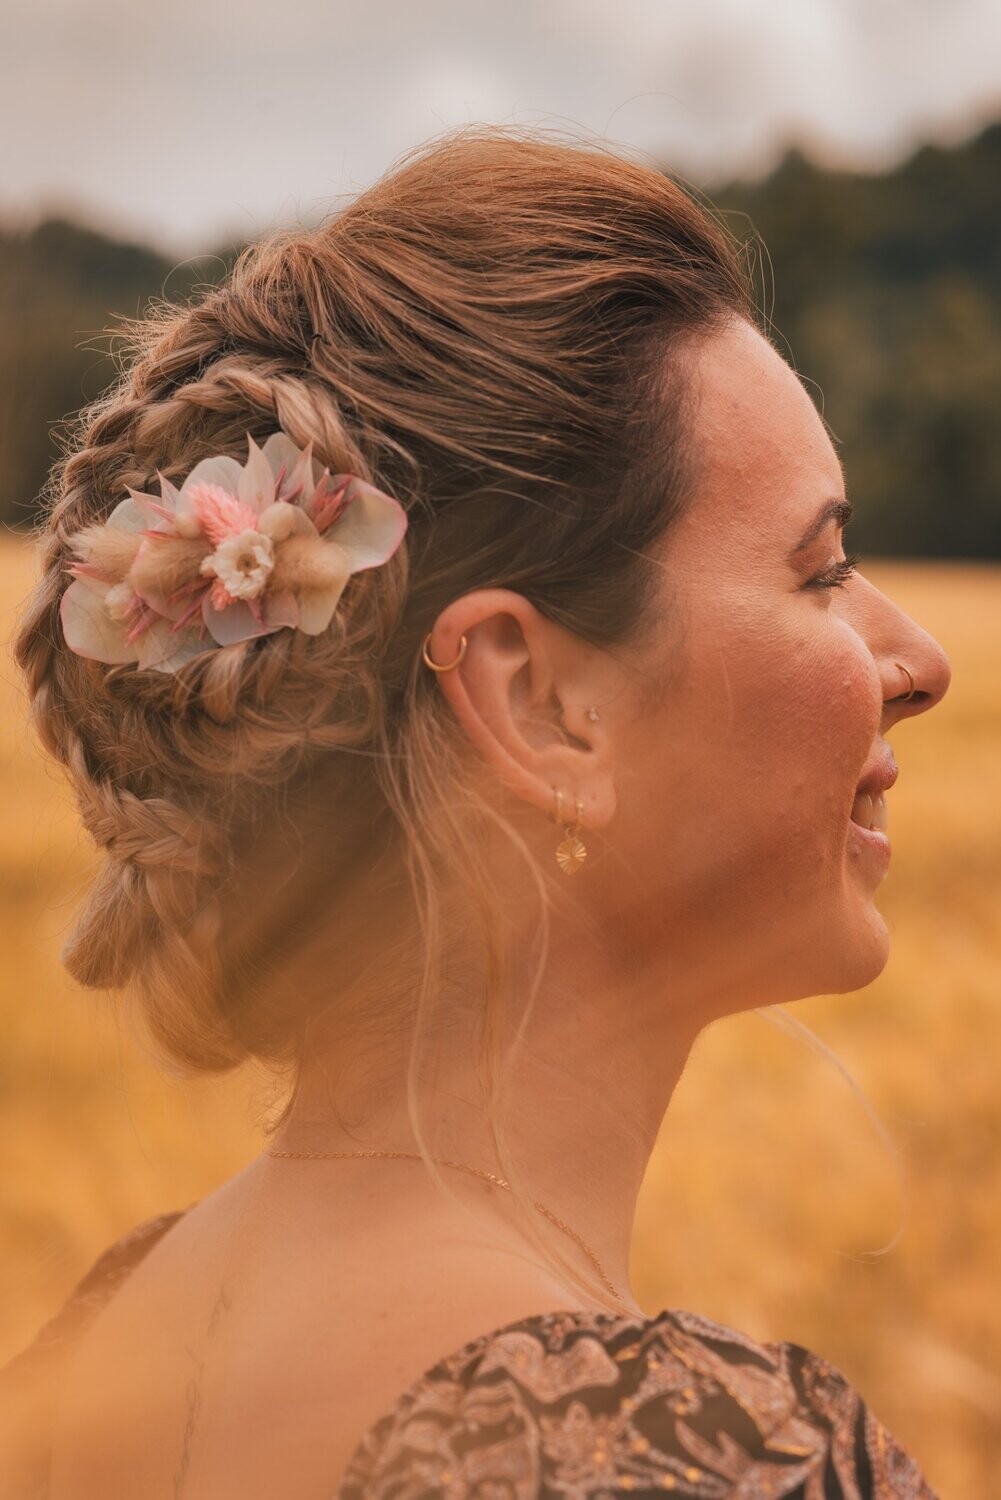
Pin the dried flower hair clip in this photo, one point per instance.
(240, 550)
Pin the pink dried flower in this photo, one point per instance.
(240, 550)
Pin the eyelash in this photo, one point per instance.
(836, 577)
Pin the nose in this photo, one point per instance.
(928, 673)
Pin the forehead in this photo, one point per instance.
(764, 455)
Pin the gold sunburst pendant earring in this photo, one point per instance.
(570, 851)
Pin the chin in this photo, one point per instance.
(844, 949)
(861, 953)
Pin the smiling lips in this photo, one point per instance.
(869, 808)
(870, 812)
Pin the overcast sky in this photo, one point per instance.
(198, 120)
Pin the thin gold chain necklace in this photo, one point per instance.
(462, 1167)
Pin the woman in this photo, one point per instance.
(477, 705)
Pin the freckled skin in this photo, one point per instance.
(740, 785)
(720, 866)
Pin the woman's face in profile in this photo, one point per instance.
(739, 788)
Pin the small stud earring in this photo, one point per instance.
(593, 714)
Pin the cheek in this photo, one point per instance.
(735, 797)
(772, 725)
(852, 704)
(813, 711)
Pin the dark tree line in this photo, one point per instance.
(61, 286)
(884, 290)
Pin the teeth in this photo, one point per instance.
(870, 812)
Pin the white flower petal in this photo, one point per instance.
(88, 627)
(171, 609)
(370, 528)
(190, 647)
(280, 609)
(167, 649)
(257, 482)
(223, 471)
(305, 476)
(133, 515)
(169, 493)
(280, 451)
(234, 623)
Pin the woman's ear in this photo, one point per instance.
(521, 692)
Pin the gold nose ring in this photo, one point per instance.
(435, 667)
(910, 679)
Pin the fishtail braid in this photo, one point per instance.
(234, 726)
(155, 904)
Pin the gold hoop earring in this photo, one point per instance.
(570, 851)
(910, 677)
(452, 664)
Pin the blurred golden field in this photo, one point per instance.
(770, 1196)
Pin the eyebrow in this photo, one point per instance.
(840, 510)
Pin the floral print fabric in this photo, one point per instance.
(584, 1406)
(587, 1406)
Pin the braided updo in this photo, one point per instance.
(483, 335)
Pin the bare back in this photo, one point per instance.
(254, 1346)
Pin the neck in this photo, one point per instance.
(582, 1105)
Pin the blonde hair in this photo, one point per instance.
(493, 334)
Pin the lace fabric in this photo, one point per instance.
(579, 1405)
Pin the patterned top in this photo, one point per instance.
(580, 1406)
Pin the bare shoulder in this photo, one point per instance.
(248, 1354)
(31, 1383)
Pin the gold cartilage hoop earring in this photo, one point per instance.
(452, 664)
(570, 851)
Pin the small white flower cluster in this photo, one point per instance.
(242, 563)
